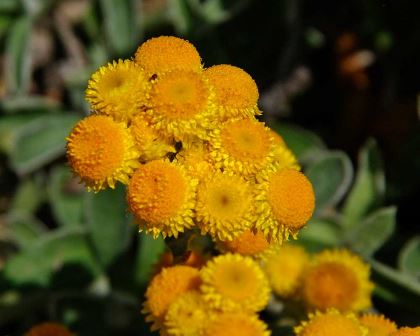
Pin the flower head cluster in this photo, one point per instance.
(220, 299)
(329, 279)
(186, 141)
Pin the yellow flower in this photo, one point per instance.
(242, 146)
(331, 323)
(195, 158)
(285, 202)
(101, 151)
(181, 105)
(236, 91)
(187, 315)
(148, 142)
(406, 331)
(339, 279)
(249, 243)
(236, 324)
(277, 138)
(118, 89)
(224, 206)
(378, 325)
(161, 196)
(232, 282)
(170, 284)
(49, 329)
(166, 53)
(284, 269)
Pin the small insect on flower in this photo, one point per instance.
(182, 105)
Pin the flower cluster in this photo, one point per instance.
(329, 279)
(186, 141)
(221, 298)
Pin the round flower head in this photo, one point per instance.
(249, 243)
(339, 279)
(283, 158)
(170, 284)
(236, 91)
(406, 331)
(378, 325)
(331, 323)
(285, 202)
(224, 206)
(49, 329)
(166, 53)
(161, 196)
(181, 105)
(284, 269)
(236, 324)
(187, 315)
(242, 146)
(118, 89)
(101, 151)
(148, 142)
(232, 282)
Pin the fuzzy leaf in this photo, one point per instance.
(331, 175)
(367, 236)
(369, 187)
(320, 233)
(18, 69)
(107, 221)
(41, 141)
(148, 254)
(409, 258)
(66, 197)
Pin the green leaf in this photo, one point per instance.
(395, 286)
(409, 258)
(9, 124)
(29, 104)
(369, 187)
(180, 15)
(367, 236)
(320, 233)
(41, 141)
(24, 228)
(303, 143)
(148, 254)
(331, 175)
(211, 11)
(28, 196)
(108, 225)
(18, 69)
(38, 263)
(66, 197)
(121, 24)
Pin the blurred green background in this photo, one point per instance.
(338, 79)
